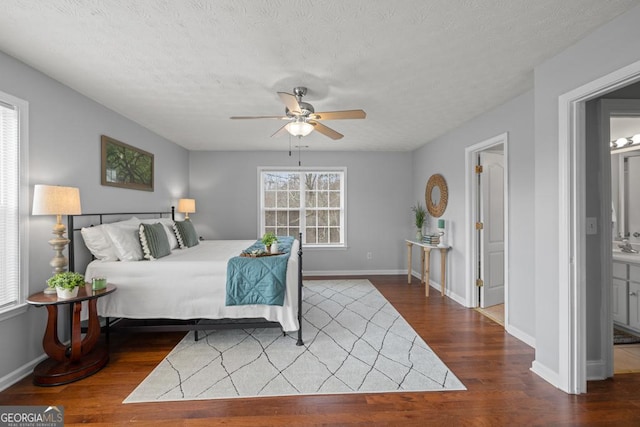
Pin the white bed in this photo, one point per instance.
(188, 284)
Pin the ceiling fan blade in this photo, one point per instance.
(259, 117)
(337, 115)
(280, 131)
(326, 131)
(291, 102)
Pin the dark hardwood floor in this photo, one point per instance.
(493, 366)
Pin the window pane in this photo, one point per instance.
(310, 199)
(334, 182)
(323, 199)
(282, 231)
(282, 219)
(282, 199)
(323, 217)
(269, 218)
(334, 235)
(334, 218)
(310, 217)
(323, 182)
(310, 181)
(294, 232)
(311, 235)
(270, 230)
(323, 235)
(269, 199)
(294, 199)
(294, 218)
(294, 181)
(334, 199)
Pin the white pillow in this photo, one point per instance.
(125, 238)
(99, 243)
(168, 228)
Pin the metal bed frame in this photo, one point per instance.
(165, 325)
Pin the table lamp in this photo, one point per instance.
(187, 206)
(56, 200)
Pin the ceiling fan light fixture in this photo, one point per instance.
(299, 128)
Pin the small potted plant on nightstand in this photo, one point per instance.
(66, 284)
(268, 240)
(421, 215)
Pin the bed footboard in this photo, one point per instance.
(300, 342)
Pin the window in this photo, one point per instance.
(307, 201)
(13, 202)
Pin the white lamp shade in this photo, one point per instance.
(186, 205)
(299, 128)
(56, 200)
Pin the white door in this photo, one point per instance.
(491, 190)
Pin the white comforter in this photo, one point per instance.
(188, 284)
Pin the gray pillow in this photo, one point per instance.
(186, 234)
(154, 241)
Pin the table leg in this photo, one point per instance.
(427, 258)
(443, 269)
(409, 246)
(81, 359)
(50, 342)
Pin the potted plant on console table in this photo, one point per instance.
(421, 216)
(66, 284)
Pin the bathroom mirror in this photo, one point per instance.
(436, 195)
(626, 215)
(625, 179)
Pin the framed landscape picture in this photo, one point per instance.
(126, 166)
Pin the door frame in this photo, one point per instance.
(471, 195)
(572, 331)
(608, 108)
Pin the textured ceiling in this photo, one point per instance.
(180, 68)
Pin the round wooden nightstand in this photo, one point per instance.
(81, 358)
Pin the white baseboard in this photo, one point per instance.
(596, 370)
(545, 373)
(522, 336)
(15, 376)
(354, 272)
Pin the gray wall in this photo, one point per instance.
(607, 49)
(446, 155)
(224, 185)
(64, 149)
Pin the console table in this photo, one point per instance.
(81, 358)
(425, 258)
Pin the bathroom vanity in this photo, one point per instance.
(626, 289)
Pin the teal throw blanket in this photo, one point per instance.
(259, 280)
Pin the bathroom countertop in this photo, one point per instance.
(618, 255)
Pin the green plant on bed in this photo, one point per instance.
(269, 238)
(66, 280)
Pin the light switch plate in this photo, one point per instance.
(592, 225)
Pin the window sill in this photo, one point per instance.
(13, 312)
(324, 248)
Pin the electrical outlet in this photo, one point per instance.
(369, 255)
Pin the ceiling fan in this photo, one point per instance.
(302, 118)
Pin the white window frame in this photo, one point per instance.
(343, 202)
(22, 108)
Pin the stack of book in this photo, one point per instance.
(431, 239)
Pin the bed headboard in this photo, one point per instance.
(76, 222)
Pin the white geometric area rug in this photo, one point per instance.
(354, 342)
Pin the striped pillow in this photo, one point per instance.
(186, 234)
(154, 241)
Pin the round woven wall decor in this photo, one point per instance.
(436, 210)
